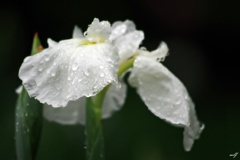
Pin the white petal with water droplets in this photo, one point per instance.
(69, 71)
(120, 28)
(117, 31)
(98, 31)
(130, 26)
(128, 44)
(77, 32)
(74, 113)
(163, 94)
(193, 131)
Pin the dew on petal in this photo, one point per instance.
(40, 69)
(75, 66)
(53, 74)
(101, 67)
(86, 73)
(46, 58)
(102, 75)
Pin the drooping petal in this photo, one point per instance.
(75, 112)
(77, 32)
(193, 131)
(69, 71)
(128, 44)
(164, 95)
(114, 99)
(98, 31)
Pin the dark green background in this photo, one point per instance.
(203, 37)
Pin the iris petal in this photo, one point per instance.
(75, 111)
(68, 71)
(160, 90)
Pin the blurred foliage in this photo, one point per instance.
(203, 37)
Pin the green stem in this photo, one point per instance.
(94, 132)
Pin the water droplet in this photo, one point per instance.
(75, 66)
(26, 114)
(101, 67)
(178, 102)
(46, 58)
(54, 63)
(68, 78)
(79, 80)
(72, 82)
(102, 75)
(53, 74)
(86, 73)
(40, 69)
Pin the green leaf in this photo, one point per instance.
(28, 126)
(28, 120)
(94, 133)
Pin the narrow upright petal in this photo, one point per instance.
(162, 92)
(77, 32)
(126, 38)
(51, 43)
(128, 44)
(98, 31)
(68, 71)
(120, 28)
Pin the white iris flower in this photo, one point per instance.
(71, 70)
